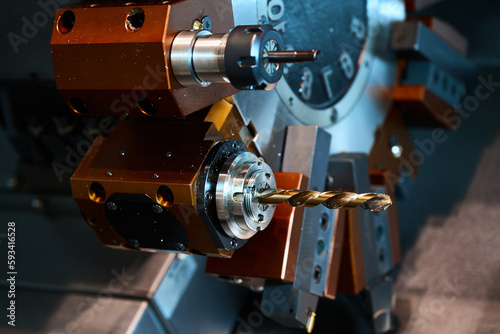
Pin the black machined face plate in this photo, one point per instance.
(145, 224)
(338, 29)
(206, 187)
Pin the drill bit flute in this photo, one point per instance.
(330, 199)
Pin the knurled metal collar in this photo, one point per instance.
(238, 210)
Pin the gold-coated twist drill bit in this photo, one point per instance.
(330, 199)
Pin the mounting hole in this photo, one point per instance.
(165, 196)
(66, 22)
(381, 255)
(135, 20)
(380, 233)
(147, 106)
(324, 221)
(317, 274)
(78, 106)
(435, 77)
(97, 193)
(321, 248)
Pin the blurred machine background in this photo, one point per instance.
(448, 207)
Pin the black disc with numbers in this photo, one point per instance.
(338, 29)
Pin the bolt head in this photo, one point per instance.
(157, 208)
(334, 115)
(197, 25)
(206, 23)
(112, 206)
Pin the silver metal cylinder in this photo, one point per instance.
(197, 58)
(181, 57)
(239, 212)
(208, 58)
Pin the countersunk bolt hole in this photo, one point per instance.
(324, 221)
(66, 22)
(261, 218)
(208, 196)
(97, 193)
(135, 20)
(321, 248)
(147, 107)
(78, 106)
(181, 246)
(317, 274)
(379, 232)
(234, 243)
(164, 196)
(381, 255)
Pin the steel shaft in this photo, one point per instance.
(330, 199)
(291, 56)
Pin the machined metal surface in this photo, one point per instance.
(447, 32)
(369, 238)
(382, 304)
(416, 41)
(296, 308)
(350, 172)
(186, 291)
(240, 213)
(41, 312)
(306, 151)
(182, 58)
(272, 253)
